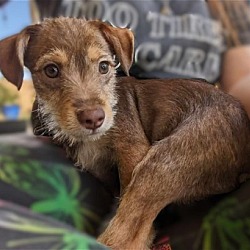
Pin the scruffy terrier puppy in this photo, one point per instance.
(171, 140)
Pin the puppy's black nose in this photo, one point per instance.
(91, 118)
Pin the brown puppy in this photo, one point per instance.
(172, 140)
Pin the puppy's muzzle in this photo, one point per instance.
(91, 118)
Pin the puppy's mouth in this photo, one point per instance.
(92, 132)
(93, 135)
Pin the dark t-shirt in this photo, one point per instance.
(173, 38)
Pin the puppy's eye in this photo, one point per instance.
(51, 70)
(104, 67)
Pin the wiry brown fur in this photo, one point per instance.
(172, 140)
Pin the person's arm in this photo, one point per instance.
(235, 73)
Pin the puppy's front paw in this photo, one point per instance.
(107, 240)
(112, 243)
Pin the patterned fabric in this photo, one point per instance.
(37, 175)
(21, 229)
(163, 244)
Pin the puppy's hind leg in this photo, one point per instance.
(182, 167)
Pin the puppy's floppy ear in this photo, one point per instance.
(121, 41)
(12, 51)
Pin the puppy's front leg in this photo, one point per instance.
(131, 228)
(130, 143)
(128, 160)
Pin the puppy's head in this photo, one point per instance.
(73, 70)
